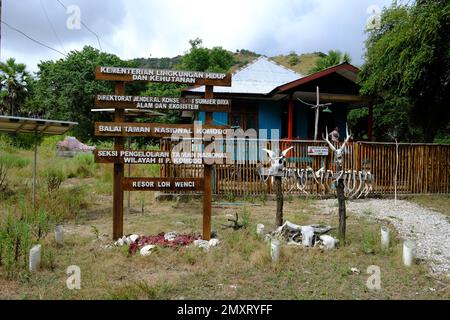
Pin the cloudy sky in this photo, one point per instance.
(158, 28)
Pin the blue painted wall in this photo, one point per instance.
(219, 118)
(300, 120)
(269, 116)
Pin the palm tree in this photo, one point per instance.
(333, 58)
(14, 82)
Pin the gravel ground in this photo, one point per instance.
(428, 228)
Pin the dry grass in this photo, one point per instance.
(239, 268)
(306, 62)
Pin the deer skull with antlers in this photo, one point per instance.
(339, 153)
(277, 160)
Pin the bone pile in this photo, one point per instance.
(356, 183)
(307, 236)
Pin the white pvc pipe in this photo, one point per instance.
(384, 237)
(260, 229)
(409, 252)
(35, 258)
(275, 249)
(59, 234)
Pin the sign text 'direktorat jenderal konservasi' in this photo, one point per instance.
(162, 103)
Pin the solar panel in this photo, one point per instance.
(32, 125)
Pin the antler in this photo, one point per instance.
(271, 154)
(328, 141)
(285, 152)
(348, 136)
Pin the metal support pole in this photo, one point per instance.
(316, 123)
(34, 170)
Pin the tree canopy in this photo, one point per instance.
(408, 64)
(66, 88)
(333, 58)
(15, 84)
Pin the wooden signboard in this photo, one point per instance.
(162, 103)
(156, 130)
(163, 184)
(120, 129)
(156, 157)
(163, 76)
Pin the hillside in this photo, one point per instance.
(301, 63)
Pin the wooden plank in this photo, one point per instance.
(162, 76)
(108, 101)
(207, 173)
(157, 130)
(118, 173)
(163, 184)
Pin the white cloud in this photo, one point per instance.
(140, 28)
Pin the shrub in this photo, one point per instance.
(83, 165)
(17, 233)
(13, 161)
(54, 176)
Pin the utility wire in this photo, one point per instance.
(32, 39)
(84, 25)
(51, 26)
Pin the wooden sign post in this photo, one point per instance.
(118, 172)
(120, 129)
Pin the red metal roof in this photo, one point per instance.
(345, 69)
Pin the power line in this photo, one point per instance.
(84, 25)
(51, 26)
(32, 39)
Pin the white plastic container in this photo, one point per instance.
(275, 250)
(260, 229)
(384, 237)
(59, 234)
(35, 258)
(409, 253)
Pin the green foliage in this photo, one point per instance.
(333, 58)
(65, 88)
(245, 221)
(199, 58)
(408, 65)
(14, 141)
(54, 176)
(20, 227)
(293, 59)
(13, 161)
(82, 165)
(15, 241)
(15, 86)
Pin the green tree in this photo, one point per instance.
(408, 64)
(14, 85)
(333, 58)
(66, 88)
(199, 58)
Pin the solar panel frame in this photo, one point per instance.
(10, 124)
